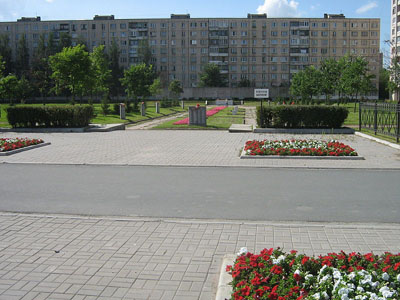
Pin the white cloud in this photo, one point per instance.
(367, 7)
(49, 1)
(314, 7)
(279, 8)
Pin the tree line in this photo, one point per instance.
(348, 78)
(58, 68)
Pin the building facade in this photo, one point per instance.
(264, 52)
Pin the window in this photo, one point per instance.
(83, 26)
(113, 26)
(122, 26)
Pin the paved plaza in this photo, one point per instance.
(186, 148)
(72, 256)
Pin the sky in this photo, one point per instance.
(10, 10)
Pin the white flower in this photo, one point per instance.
(360, 289)
(317, 296)
(278, 260)
(375, 284)
(242, 251)
(398, 277)
(325, 295)
(297, 272)
(352, 275)
(386, 293)
(325, 278)
(351, 286)
(309, 276)
(343, 291)
(344, 297)
(337, 275)
(385, 276)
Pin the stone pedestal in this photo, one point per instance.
(157, 107)
(235, 110)
(122, 111)
(197, 116)
(143, 109)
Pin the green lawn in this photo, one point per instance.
(110, 118)
(222, 120)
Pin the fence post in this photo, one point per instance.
(398, 122)
(359, 117)
(376, 117)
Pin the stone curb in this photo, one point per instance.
(244, 156)
(90, 128)
(305, 131)
(7, 153)
(367, 136)
(224, 290)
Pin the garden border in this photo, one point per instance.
(224, 290)
(7, 153)
(244, 156)
(344, 130)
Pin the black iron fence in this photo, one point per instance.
(381, 118)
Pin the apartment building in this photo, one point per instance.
(265, 51)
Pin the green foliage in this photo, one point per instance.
(22, 57)
(100, 71)
(40, 77)
(288, 116)
(156, 87)
(70, 70)
(9, 88)
(244, 82)
(137, 81)
(65, 41)
(24, 89)
(306, 84)
(175, 88)
(330, 73)
(384, 78)
(6, 53)
(50, 116)
(144, 52)
(105, 105)
(116, 71)
(212, 77)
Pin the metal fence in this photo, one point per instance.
(381, 118)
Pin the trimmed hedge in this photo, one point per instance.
(301, 116)
(69, 116)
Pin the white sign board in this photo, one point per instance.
(261, 93)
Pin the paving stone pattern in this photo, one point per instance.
(66, 257)
(186, 148)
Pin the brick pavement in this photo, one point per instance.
(185, 148)
(70, 257)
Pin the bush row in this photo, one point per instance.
(50, 116)
(301, 116)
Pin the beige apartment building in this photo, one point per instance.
(266, 51)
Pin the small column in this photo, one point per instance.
(122, 111)
(143, 109)
(157, 107)
(183, 104)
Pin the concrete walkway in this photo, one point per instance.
(72, 257)
(187, 148)
(154, 123)
(250, 116)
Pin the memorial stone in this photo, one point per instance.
(197, 116)
(143, 110)
(122, 111)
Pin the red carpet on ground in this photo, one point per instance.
(209, 113)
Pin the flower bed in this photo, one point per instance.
(9, 144)
(298, 148)
(209, 113)
(275, 275)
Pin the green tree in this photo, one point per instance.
(65, 41)
(23, 89)
(116, 71)
(175, 88)
(2, 66)
(330, 73)
(156, 87)
(306, 84)
(100, 71)
(384, 78)
(70, 69)
(6, 53)
(144, 52)
(40, 77)
(9, 88)
(212, 77)
(137, 81)
(244, 82)
(22, 57)
(52, 47)
(394, 83)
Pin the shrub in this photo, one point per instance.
(50, 116)
(302, 116)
